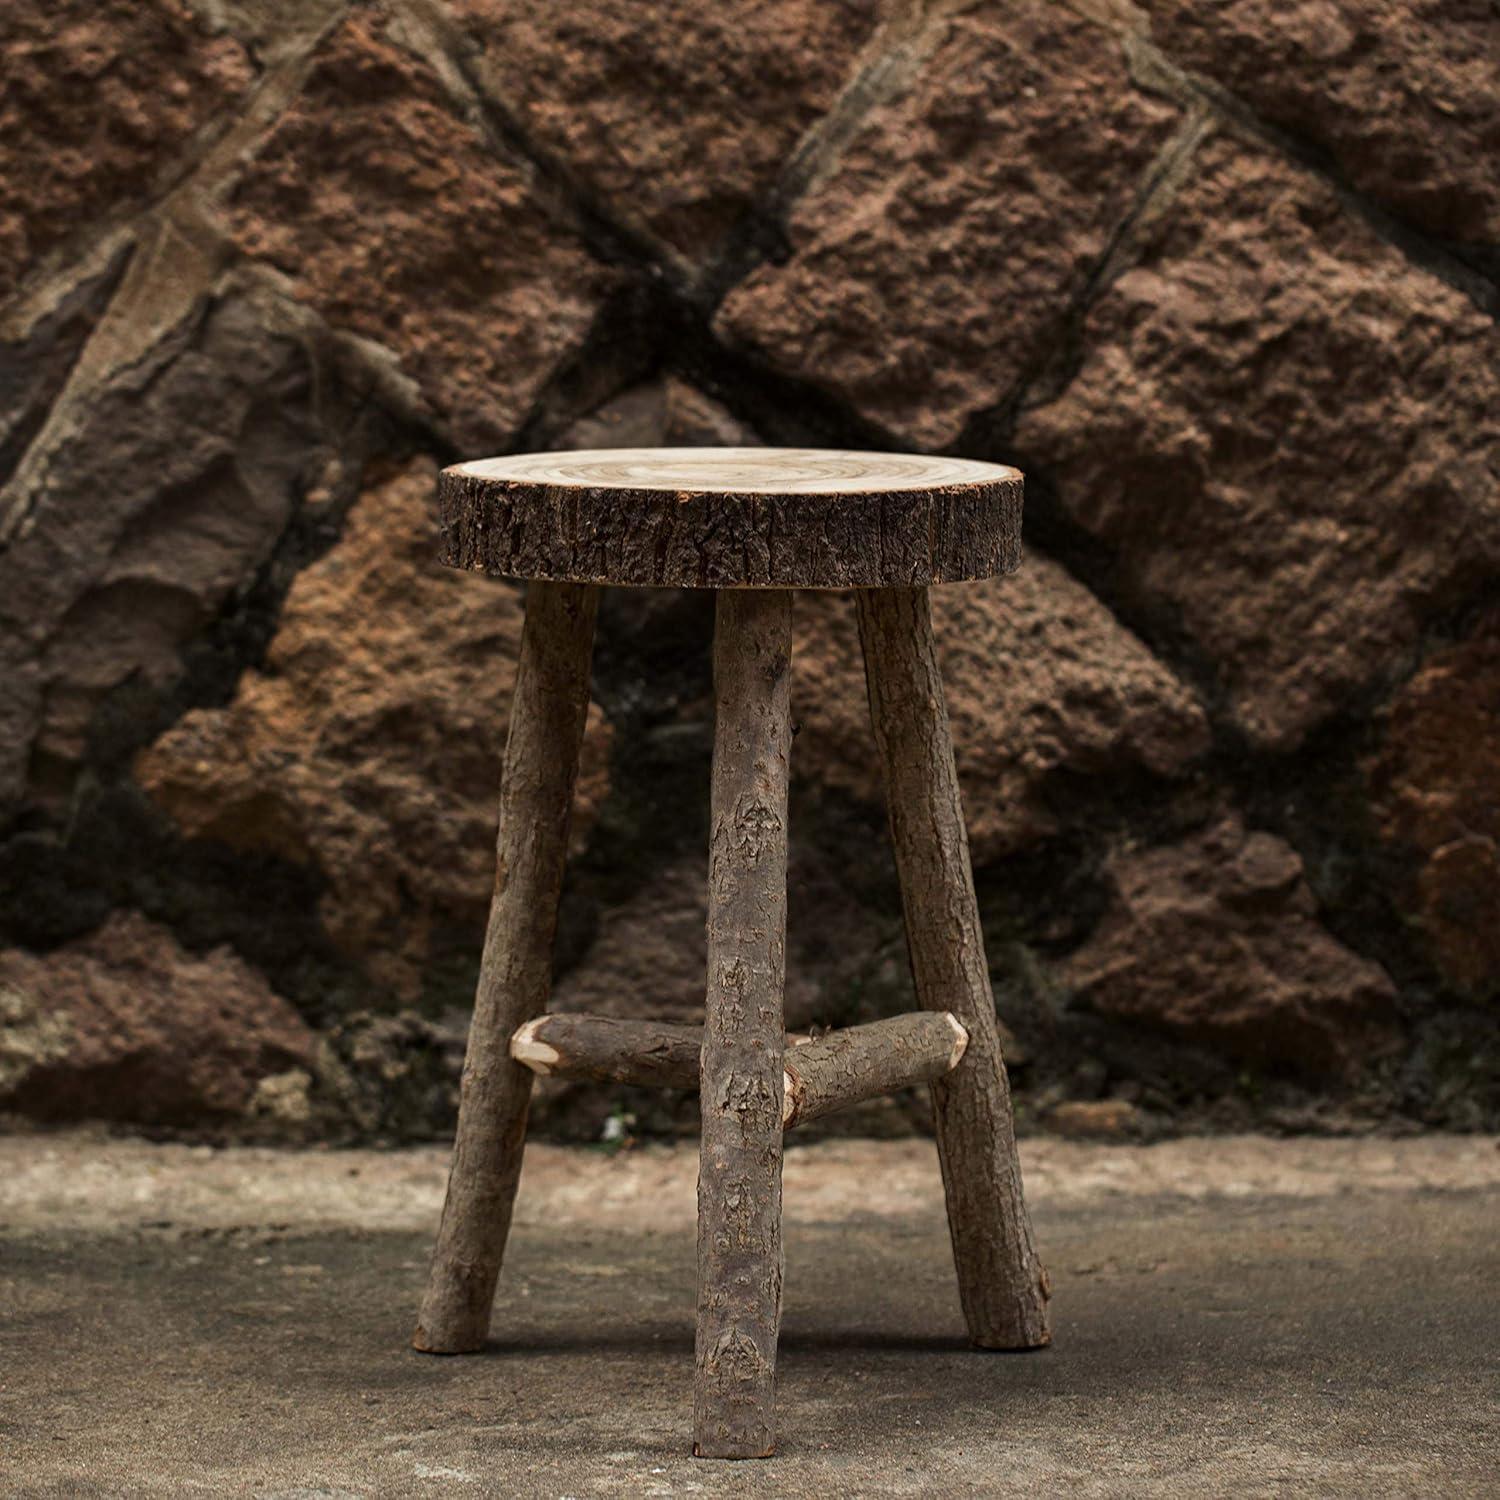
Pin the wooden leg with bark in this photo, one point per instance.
(741, 1085)
(515, 978)
(1002, 1285)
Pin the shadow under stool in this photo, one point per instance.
(751, 524)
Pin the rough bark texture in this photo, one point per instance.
(863, 1062)
(1001, 1282)
(541, 761)
(739, 1174)
(651, 1054)
(820, 1077)
(728, 519)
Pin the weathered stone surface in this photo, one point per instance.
(1435, 783)
(936, 264)
(1040, 679)
(649, 955)
(1277, 462)
(1401, 93)
(1216, 939)
(270, 30)
(1096, 1119)
(124, 1025)
(390, 1077)
(682, 114)
(97, 98)
(35, 363)
(660, 413)
(1289, 437)
(395, 221)
(162, 499)
(370, 745)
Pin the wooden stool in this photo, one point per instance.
(752, 523)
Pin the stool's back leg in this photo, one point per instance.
(515, 978)
(739, 1174)
(1001, 1282)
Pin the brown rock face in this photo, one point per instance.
(1401, 93)
(395, 221)
(1436, 788)
(168, 495)
(1187, 264)
(662, 413)
(934, 266)
(1039, 677)
(124, 1025)
(1216, 939)
(680, 113)
(1290, 438)
(1096, 1119)
(96, 98)
(370, 745)
(650, 954)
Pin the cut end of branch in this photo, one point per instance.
(960, 1039)
(531, 1052)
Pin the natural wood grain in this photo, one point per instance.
(733, 517)
(740, 1090)
(819, 1077)
(515, 978)
(1002, 1285)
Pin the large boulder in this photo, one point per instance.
(1216, 939)
(1400, 94)
(98, 100)
(369, 745)
(1435, 785)
(125, 1025)
(1288, 438)
(392, 216)
(1041, 682)
(936, 263)
(679, 116)
(154, 505)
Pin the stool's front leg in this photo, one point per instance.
(515, 978)
(739, 1173)
(1000, 1280)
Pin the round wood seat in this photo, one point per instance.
(733, 517)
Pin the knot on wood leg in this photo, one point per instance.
(752, 1099)
(735, 1358)
(754, 830)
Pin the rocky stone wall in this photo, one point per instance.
(1222, 277)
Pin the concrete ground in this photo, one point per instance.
(1233, 1317)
